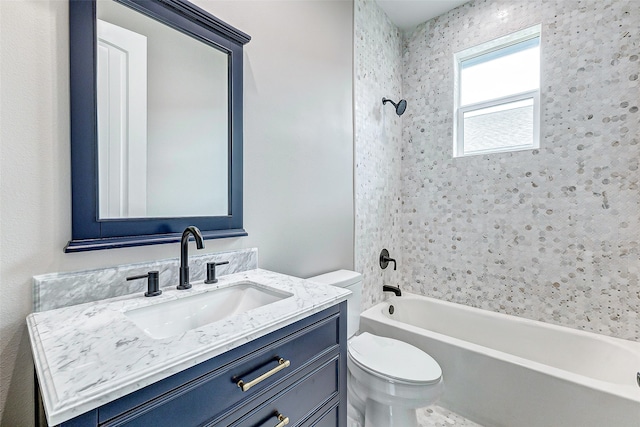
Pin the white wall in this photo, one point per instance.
(298, 156)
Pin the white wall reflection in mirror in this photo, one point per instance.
(162, 119)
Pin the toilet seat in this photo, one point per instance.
(393, 360)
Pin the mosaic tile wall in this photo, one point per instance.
(378, 74)
(550, 234)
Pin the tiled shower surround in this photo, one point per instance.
(550, 234)
(378, 136)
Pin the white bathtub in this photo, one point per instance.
(502, 370)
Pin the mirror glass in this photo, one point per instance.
(162, 119)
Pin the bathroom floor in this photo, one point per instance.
(433, 416)
(436, 416)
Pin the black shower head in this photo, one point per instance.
(400, 106)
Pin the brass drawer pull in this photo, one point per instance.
(283, 420)
(281, 365)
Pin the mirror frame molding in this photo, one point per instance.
(88, 231)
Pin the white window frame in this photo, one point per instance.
(484, 49)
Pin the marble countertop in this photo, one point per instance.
(90, 354)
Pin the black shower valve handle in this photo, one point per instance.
(385, 260)
(153, 283)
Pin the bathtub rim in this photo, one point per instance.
(624, 391)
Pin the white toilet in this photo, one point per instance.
(387, 379)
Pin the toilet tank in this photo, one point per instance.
(352, 281)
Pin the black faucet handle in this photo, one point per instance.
(211, 271)
(385, 259)
(153, 283)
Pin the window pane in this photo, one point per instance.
(508, 71)
(501, 126)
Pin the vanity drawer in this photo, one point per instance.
(216, 395)
(298, 403)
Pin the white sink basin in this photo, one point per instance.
(177, 316)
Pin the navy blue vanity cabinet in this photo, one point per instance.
(310, 390)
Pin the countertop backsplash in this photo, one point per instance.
(56, 290)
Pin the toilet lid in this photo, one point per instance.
(393, 359)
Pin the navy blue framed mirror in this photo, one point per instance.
(156, 123)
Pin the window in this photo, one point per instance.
(497, 95)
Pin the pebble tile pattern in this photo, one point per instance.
(378, 74)
(549, 234)
(437, 416)
(432, 416)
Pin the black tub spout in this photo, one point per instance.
(395, 289)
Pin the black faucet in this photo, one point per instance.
(184, 254)
(395, 289)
